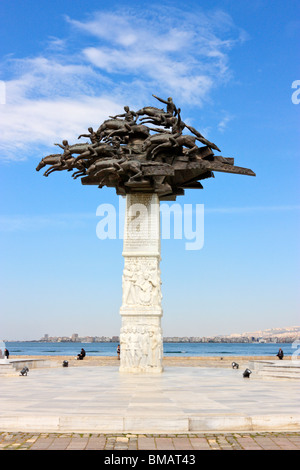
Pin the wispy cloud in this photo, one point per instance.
(25, 223)
(222, 125)
(118, 58)
(240, 210)
(184, 53)
(45, 122)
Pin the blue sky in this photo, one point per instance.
(67, 65)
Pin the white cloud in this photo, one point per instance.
(179, 54)
(128, 56)
(41, 77)
(33, 123)
(50, 101)
(224, 122)
(113, 27)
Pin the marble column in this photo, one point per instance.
(141, 338)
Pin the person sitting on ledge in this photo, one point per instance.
(280, 354)
(81, 355)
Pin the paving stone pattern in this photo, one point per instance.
(163, 442)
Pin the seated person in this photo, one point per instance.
(81, 355)
(280, 354)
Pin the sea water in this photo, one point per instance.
(35, 348)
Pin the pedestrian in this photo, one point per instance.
(280, 354)
(6, 353)
(118, 351)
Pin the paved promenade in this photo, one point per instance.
(181, 400)
(165, 442)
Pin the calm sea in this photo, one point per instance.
(170, 349)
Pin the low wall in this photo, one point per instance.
(9, 367)
(18, 364)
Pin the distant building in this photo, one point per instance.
(89, 339)
(284, 335)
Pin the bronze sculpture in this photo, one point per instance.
(132, 157)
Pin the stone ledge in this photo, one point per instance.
(138, 424)
(11, 366)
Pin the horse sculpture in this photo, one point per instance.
(129, 155)
(153, 142)
(110, 125)
(49, 160)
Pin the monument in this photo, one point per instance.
(146, 156)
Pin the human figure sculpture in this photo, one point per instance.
(171, 108)
(92, 135)
(129, 116)
(120, 152)
(66, 148)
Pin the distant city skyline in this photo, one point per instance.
(291, 333)
(233, 69)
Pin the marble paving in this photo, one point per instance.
(181, 399)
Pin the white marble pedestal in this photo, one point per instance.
(141, 338)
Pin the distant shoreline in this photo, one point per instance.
(280, 340)
(286, 334)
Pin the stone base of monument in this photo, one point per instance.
(141, 337)
(141, 343)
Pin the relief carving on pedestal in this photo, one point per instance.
(141, 282)
(141, 347)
